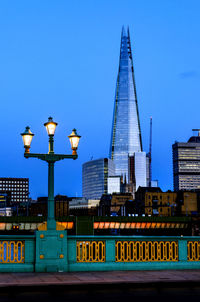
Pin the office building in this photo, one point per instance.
(39, 207)
(5, 209)
(186, 164)
(130, 160)
(126, 135)
(83, 203)
(18, 188)
(114, 184)
(160, 203)
(5, 199)
(137, 169)
(95, 175)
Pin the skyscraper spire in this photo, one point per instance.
(126, 135)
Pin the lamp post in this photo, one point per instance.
(50, 158)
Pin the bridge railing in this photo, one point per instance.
(132, 253)
(58, 252)
(17, 253)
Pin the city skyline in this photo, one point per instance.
(60, 61)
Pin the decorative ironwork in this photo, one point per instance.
(193, 248)
(142, 251)
(11, 251)
(90, 251)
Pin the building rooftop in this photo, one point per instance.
(194, 139)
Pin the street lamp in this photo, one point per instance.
(27, 137)
(50, 158)
(74, 141)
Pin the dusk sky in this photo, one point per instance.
(60, 58)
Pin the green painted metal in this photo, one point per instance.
(182, 249)
(51, 251)
(111, 265)
(110, 250)
(29, 261)
(50, 158)
(54, 251)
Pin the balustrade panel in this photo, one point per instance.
(90, 251)
(193, 248)
(11, 251)
(143, 251)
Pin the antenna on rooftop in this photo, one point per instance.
(198, 130)
(150, 150)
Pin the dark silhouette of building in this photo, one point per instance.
(39, 208)
(186, 164)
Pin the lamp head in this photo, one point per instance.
(50, 126)
(74, 141)
(27, 137)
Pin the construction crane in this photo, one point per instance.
(150, 150)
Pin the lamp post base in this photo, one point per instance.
(51, 224)
(51, 251)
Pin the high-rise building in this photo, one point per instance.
(126, 142)
(94, 177)
(18, 187)
(186, 164)
(137, 169)
(114, 184)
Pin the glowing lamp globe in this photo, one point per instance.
(74, 141)
(27, 137)
(50, 126)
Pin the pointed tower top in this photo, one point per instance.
(123, 31)
(126, 134)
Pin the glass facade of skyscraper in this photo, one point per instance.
(94, 177)
(186, 164)
(140, 169)
(126, 134)
(114, 184)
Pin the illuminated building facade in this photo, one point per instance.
(126, 135)
(114, 184)
(18, 188)
(186, 164)
(160, 203)
(138, 169)
(95, 176)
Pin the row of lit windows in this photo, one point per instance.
(17, 199)
(13, 186)
(13, 181)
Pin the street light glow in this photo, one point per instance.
(74, 140)
(50, 126)
(27, 137)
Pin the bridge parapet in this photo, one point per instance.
(56, 251)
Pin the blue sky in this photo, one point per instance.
(60, 58)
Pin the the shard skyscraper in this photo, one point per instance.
(126, 138)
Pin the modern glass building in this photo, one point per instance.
(138, 169)
(186, 164)
(126, 135)
(94, 177)
(114, 184)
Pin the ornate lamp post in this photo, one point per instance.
(50, 158)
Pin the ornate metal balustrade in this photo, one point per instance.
(90, 251)
(11, 251)
(193, 250)
(22, 253)
(142, 251)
